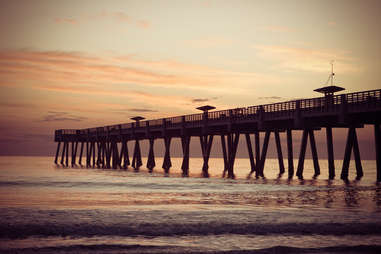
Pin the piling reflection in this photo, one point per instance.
(351, 196)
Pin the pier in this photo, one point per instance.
(106, 147)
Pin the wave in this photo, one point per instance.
(106, 248)
(20, 231)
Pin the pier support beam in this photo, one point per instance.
(72, 153)
(377, 140)
(206, 145)
(99, 154)
(115, 154)
(257, 151)
(124, 154)
(137, 157)
(93, 153)
(232, 143)
(315, 158)
(290, 154)
(57, 152)
(67, 155)
(87, 154)
(251, 155)
(75, 153)
(151, 155)
(103, 155)
(63, 153)
(331, 161)
(352, 143)
(263, 154)
(185, 142)
(302, 154)
(108, 154)
(80, 154)
(167, 164)
(280, 154)
(224, 154)
(356, 153)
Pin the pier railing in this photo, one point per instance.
(354, 102)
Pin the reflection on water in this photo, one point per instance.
(39, 183)
(53, 201)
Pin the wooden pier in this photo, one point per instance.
(350, 111)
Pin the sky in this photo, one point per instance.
(79, 64)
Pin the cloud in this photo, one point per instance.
(308, 59)
(61, 116)
(88, 72)
(270, 98)
(142, 110)
(199, 100)
(144, 84)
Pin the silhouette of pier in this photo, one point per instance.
(350, 111)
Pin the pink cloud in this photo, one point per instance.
(332, 23)
(76, 68)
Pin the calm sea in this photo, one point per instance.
(50, 209)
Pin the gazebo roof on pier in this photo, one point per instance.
(206, 108)
(329, 89)
(137, 118)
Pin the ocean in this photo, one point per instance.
(46, 208)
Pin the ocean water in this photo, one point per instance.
(46, 208)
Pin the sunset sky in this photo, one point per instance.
(79, 64)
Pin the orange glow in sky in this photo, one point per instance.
(78, 64)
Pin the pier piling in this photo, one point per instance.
(302, 154)
(124, 154)
(377, 138)
(72, 154)
(251, 155)
(352, 143)
(264, 153)
(290, 154)
(137, 158)
(206, 142)
(224, 155)
(167, 164)
(80, 154)
(315, 158)
(279, 151)
(331, 160)
(57, 152)
(185, 141)
(151, 156)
